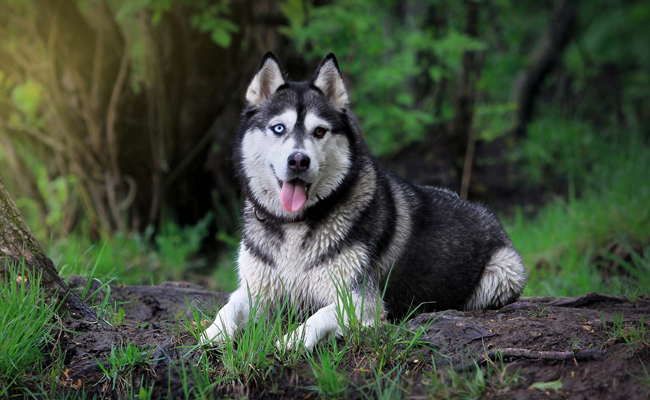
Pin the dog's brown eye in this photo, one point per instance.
(320, 131)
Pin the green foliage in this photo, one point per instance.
(562, 244)
(397, 61)
(22, 345)
(132, 259)
(225, 272)
(27, 98)
(494, 120)
(175, 245)
(209, 17)
(50, 212)
(567, 148)
(381, 61)
(212, 20)
(612, 35)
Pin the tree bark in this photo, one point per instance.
(17, 244)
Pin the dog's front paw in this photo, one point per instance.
(217, 334)
(303, 336)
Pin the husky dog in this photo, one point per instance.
(319, 210)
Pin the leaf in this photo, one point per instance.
(544, 386)
(120, 316)
(221, 37)
(27, 97)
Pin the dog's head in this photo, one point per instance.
(297, 142)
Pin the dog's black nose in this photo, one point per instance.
(298, 161)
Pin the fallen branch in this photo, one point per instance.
(587, 299)
(584, 355)
(576, 302)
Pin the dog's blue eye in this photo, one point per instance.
(279, 128)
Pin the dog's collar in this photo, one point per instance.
(259, 215)
(263, 217)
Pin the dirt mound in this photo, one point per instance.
(593, 346)
(553, 340)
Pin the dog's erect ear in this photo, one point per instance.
(266, 81)
(329, 80)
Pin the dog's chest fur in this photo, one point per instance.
(306, 262)
(300, 261)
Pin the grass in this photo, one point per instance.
(258, 347)
(494, 377)
(122, 363)
(452, 385)
(645, 379)
(259, 351)
(249, 359)
(199, 380)
(390, 343)
(23, 346)
(386, 386)
(170, 255)
(633, 334)
(566, 247)
(325, 365)
(539, 312)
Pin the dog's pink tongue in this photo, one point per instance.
(293, 195)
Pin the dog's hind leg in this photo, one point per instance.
(502, 282)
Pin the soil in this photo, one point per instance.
(540, 339)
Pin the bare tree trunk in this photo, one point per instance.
(543, 60)
(18, 244)
(466, 97)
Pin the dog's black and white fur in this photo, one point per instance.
(319, 211)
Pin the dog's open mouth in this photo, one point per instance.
(293, 194)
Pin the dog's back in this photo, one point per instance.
(454, 249)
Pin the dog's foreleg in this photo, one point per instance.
(319, 325)
(329, 319)
(231, 317)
